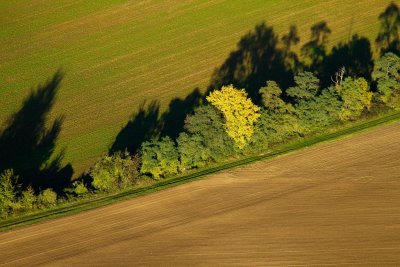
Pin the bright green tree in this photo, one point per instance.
(113, 172)
(47, 198)
(160, 158)
(28, 200)
(9, 189)
(239, 112)
(387, 76)
(355, 96)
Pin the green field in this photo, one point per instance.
(117, 54)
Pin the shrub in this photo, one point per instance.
(78, 189)
(355, 96)
(9, 189)
(47, 198)
(28, 199)
(113, 172)
(160, 158)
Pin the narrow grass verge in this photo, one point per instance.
(83, 205)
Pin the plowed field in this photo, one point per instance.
(335, 203)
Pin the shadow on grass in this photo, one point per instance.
(28, 139)
(355, 56)
(149, 123)
(258, 58)
(388, 37)
(262, 55)
(142, 126)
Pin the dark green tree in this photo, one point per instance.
(387, 77)
(273, 128)
(314, 111)
(320, 111)
(307, 86)
(204, 139)
(159, 158)
(271, 96)
(277, 122)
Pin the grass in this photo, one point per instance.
(117, 54)
(85, 204)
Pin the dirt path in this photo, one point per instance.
(337, 203)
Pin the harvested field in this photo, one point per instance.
(336, 203)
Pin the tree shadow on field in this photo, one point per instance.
(261, 56)
(355, 56)
(148, 123)
(27, 144)
(314, 51)
(174, 119)
(142, 126)
(256, 60)
(388, 37)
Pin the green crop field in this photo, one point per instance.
(116, 54)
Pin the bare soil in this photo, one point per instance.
(336, 204)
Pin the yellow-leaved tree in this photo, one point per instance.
(239, 111)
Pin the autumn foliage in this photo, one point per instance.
(239, 111)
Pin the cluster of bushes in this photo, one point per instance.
(115, 172)
(227, 125)
(13, 199)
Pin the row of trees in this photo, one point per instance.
(228, 125)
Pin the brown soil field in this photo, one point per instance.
(337, 203)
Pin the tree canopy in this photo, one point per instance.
(355, 95)
(239, 112)
(387, 76)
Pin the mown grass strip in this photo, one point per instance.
(291, 147)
